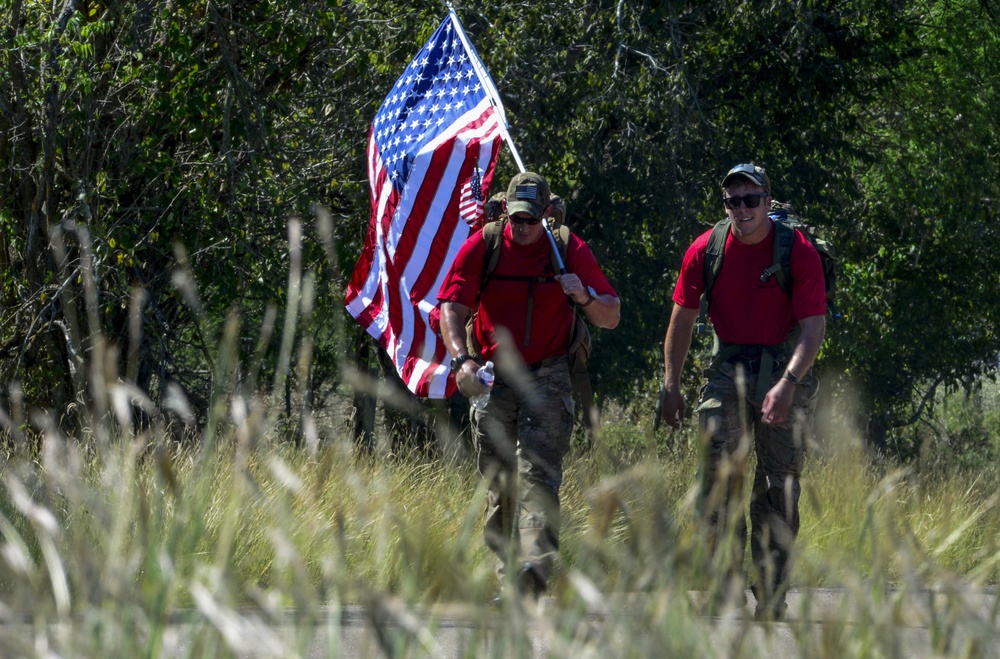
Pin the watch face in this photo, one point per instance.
(457, 362)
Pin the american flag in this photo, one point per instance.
(470, 205)
(440, 123)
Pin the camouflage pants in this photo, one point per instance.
(521, 437)
(729, 418)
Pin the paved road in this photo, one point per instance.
(919, 624)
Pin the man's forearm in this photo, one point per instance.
(675, 350)
(677, 343)
(453, 317)
(813, 330)
(603, 311)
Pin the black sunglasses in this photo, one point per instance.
(750, 200)
(524, 220)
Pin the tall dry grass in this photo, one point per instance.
(123, 542)
(111, 550)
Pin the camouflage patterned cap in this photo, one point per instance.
(753, 173)
(527, 193)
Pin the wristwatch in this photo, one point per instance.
(788, 375)
(457, 362)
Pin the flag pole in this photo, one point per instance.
(487, 83)
(494, 96)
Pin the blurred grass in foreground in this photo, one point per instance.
(124, 543)
(112, 544)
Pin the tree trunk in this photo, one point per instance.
(363, 413)
(875, 432)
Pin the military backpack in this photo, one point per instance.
(580, 340)
(786, 223)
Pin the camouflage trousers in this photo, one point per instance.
(729, 417)
(521, 438)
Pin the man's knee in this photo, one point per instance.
(778, 500)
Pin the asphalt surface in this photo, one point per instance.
(921, 623)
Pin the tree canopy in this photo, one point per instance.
(152, 145)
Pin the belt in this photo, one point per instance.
(759, 360)
(751, 365)
(545, 362)
(749, 351)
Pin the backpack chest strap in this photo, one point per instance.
(543, 279)
(493, 236)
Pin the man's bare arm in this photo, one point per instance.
(676, 346)
(600, 310)
(813, 331)
(778, 400)
(453, 318)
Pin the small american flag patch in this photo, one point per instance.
(527, 192)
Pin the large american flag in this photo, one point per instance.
(438, 130)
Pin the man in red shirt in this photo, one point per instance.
(523, 325)
(760, 384)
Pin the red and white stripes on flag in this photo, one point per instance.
(440, 123)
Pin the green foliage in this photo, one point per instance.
(144, 131)
(185, 124)
(925, 245)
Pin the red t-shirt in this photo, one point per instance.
(744, 309)
(505, 303)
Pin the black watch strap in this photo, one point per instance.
(457, 362)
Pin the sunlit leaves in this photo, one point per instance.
(211, 124)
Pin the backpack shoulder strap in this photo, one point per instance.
(781, 268)
(561, 234)
(713, 255)
(579, 347)
(713, 264)
(493, 237)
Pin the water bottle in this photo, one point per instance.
(485, 375)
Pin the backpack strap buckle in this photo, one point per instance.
(770, 272)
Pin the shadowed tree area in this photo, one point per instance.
(155, 152)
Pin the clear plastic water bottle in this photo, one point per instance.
(485, 375)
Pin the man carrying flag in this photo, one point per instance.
(432, 151)
(524, 431)
(440, 128)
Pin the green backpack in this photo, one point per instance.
(786, 223)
